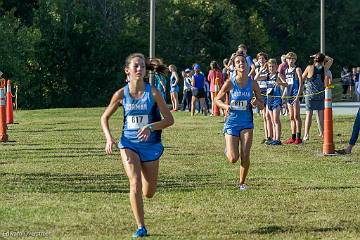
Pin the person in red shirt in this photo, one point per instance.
(216, 79)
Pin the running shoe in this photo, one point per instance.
(269, 141)
(298, 141)
(140, 232)
(289, 141)
(276, 142)
(243, 187)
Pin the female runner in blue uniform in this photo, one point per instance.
(140, 142)
(238, 127)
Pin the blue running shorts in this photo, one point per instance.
(147, 152)
(235, 131)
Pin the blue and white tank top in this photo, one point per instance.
(272, 88)
(139, 113)
(292, 81)
(241, 109)
(172, 80)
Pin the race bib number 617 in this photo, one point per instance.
(137, 121)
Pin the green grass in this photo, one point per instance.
(56, 179)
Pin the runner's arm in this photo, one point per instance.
(218, 99)
(258, 100)
(113, 106)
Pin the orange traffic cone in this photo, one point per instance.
(9, 105)
(3, 135)
(328, 146)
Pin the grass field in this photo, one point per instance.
(57, 182)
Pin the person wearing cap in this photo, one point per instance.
(186, 101)
(293, 76)
(238, 127)
(314, 76)
(198, 90)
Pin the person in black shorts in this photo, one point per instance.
(198, 90)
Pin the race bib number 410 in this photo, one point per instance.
(137, 121)
(238, 105)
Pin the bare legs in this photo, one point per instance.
(308, 120)
(276, 124)
(295, 120)
(142, 179)
(233, 153)
(174, 101)
(202, 103)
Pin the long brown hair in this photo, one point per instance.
(154, 64)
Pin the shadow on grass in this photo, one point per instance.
(271, 230)
(57, 182)
(187, 183)
(275, 229)
(107, 183)
(56, 130)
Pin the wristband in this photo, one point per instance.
(150, 127)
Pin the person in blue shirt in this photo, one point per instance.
(198, 90)
(145, 115)
(238, 128)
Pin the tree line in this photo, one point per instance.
(70, 53)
